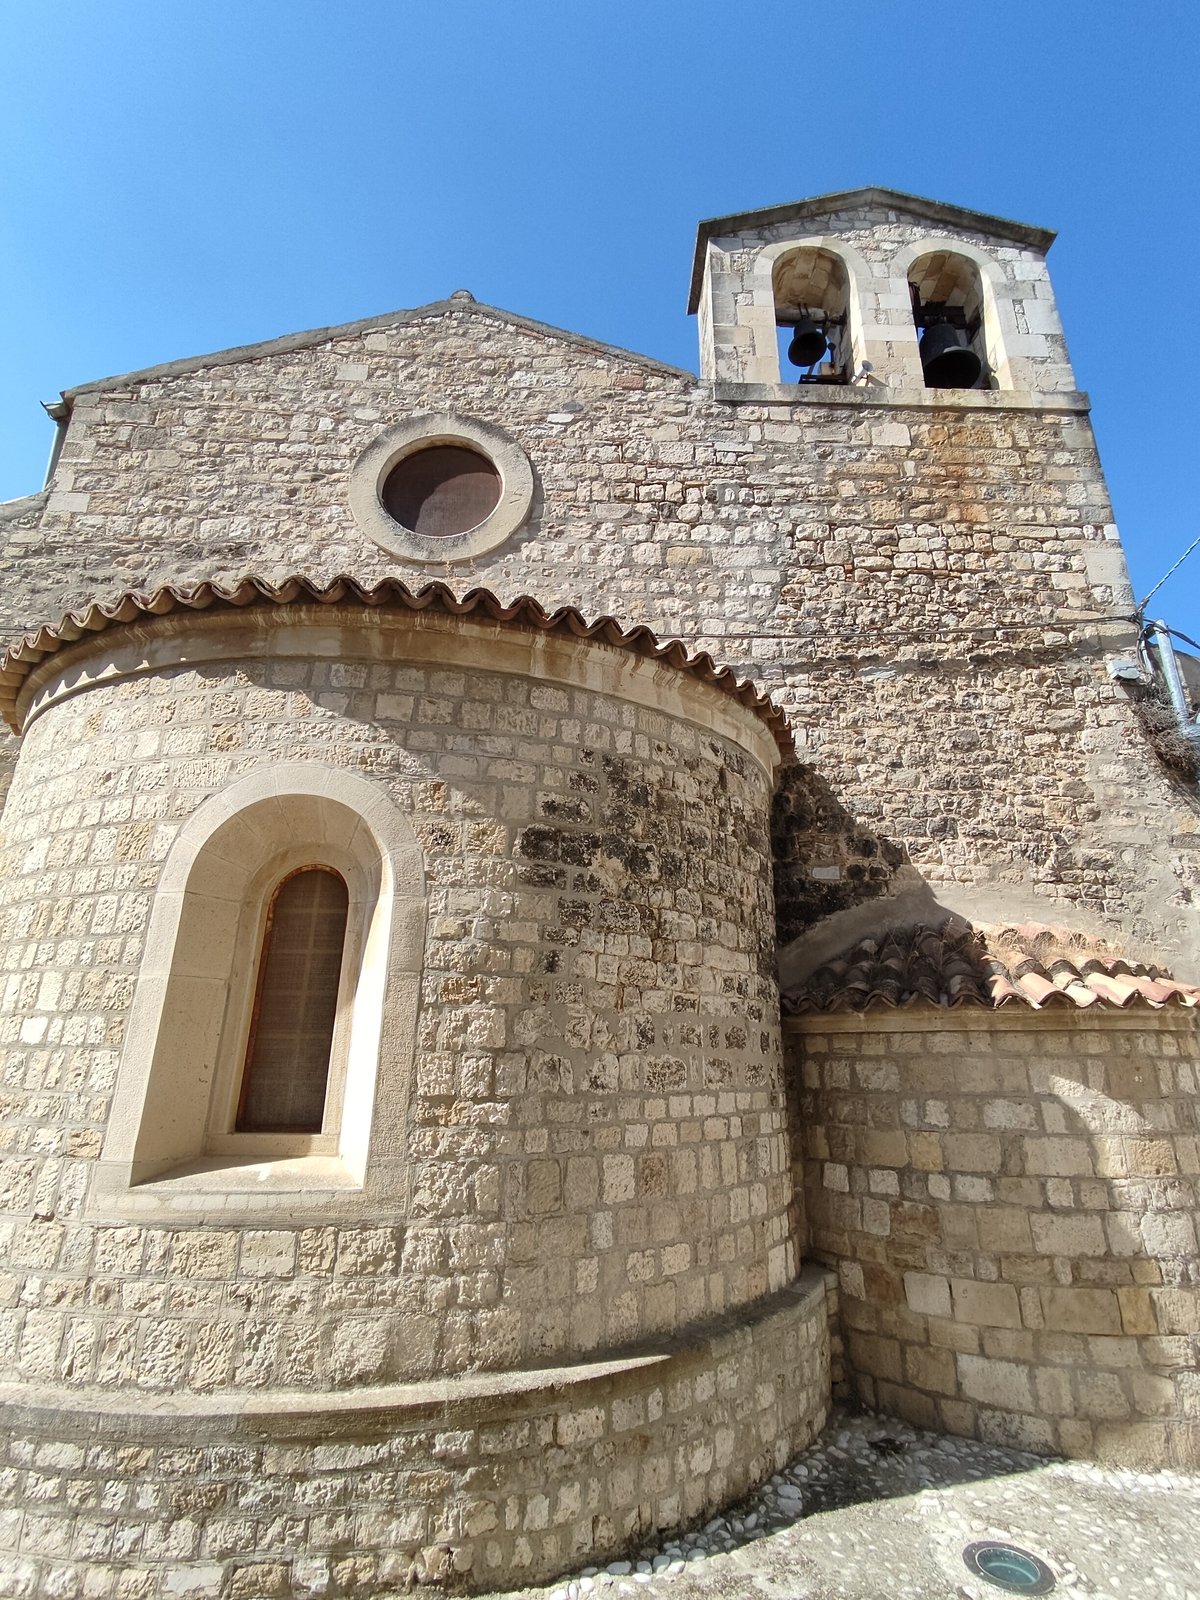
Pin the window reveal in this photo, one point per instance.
(295, 1005)
(444, 489)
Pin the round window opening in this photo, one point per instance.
(439, 487)
(442, 490)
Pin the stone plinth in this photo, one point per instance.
(464, 1483)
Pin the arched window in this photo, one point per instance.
(812, 293)
(948, 309)
(283, 960)
(286, 1071)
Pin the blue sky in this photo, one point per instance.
(178, 178)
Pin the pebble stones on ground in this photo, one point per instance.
(877, 1508)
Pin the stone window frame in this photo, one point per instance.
(760, 315)
(221, 1137)
(995, 302)
(371, 469)
(168, 1144)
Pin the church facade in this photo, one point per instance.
(556, 915)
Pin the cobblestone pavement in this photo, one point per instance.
(878, 1508)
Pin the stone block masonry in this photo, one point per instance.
(530, 1290)
(886, 564)
(474, 1483)
(1012, 1204)
(558, 1307)
(589, 1144)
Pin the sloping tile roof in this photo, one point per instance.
(26, 653)
(960, 965)
(461, 303)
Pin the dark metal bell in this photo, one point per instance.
(947, 359)
(808, 344)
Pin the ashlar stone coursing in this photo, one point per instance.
(925, 581)
(417, 1486)
(595, 1146)
(571, 1249)
(1012, 1204)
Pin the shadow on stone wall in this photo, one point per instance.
(1010, 1200)
(825, 860)
(8, 760)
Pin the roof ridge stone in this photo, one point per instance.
(283, 344)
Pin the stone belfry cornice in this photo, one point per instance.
(841, 200)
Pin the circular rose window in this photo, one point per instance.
(440, 491)
(441, 488)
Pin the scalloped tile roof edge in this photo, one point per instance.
(29, 651)
(957, 964)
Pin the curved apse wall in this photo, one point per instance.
(553, 1203)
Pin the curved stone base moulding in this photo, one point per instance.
(469, 1483)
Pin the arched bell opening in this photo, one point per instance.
(948, 310)
(812, 299)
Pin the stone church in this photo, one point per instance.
(556, 914)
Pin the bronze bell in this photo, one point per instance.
(947, 359)
(808, 344)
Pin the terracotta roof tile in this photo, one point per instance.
(26, 653)
(957, 964)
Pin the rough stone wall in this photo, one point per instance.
(596, 1143)
(1012, 1205)
(916, 580)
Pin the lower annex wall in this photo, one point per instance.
(1010, 1201)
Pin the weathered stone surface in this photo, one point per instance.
(424, 1483)
(590, 1143)
(599, 1028)
(1050, 1303)
(887, 567)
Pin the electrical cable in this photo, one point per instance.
(1161, 627)
(1167, 574)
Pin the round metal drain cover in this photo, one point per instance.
(1008, 1567)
